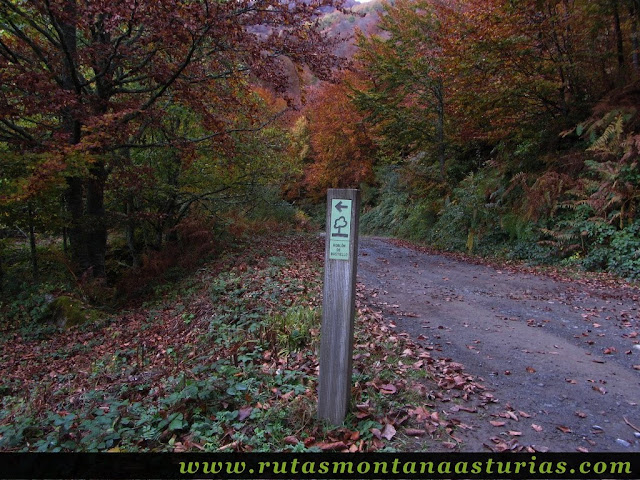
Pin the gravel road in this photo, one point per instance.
(563, 357)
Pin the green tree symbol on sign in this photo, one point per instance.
(339, 224)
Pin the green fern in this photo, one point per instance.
(611, 140)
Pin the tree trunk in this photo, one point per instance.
(619, 43)
(32, 242)
(1, 270)
(78, 237)
(97, 229)
(87, 233)
(440, 137)
(77, 230)
(130, 231)
(65, 239)
(634, 12)
(171, 207)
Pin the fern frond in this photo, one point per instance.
(611, 139)
(567, 205)
(562, 236)
(519, 177)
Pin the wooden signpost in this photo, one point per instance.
(338, 304)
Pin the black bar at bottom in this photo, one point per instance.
(318, 465)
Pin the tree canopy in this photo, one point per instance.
(87, 84)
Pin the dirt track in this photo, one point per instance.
(559, 355)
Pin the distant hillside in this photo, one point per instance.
(342, 27)
(362, 16)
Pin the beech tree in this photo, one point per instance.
(516, 66)
(84, 83)
(406, 96)
(342, 150)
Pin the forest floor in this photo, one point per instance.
(450, 354)
(225, 360)
(561, 355)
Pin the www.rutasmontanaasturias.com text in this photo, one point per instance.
(398, 466)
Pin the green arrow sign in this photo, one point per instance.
(340, 232)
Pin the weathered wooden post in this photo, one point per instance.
(338, 304)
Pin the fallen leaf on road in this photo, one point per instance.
(512, 415)
(531, 370)
(537, 428)
(499, 447)
(468, 409)
(563, 429)
(497, 424)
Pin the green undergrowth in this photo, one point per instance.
(226, 360)
(485, 215)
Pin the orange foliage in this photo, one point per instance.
(513, 64)
(196, 240)
(342, 149)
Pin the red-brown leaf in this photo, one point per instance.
(244, 413)
(331, 446)
(388, 431)
(388, 389)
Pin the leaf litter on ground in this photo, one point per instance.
(230, 363)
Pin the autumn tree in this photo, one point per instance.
(342, 151)
(87, 83)
(517, 66)
(30, 198)
(406, 98)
